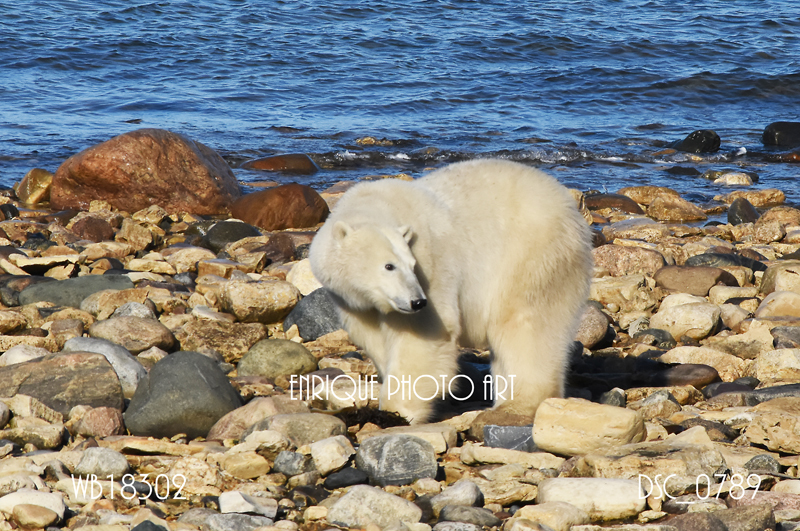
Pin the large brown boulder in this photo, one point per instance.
(291, 206)
(146, 167)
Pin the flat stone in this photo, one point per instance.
(236, 522)
(440, 436)
(559, 516)
(709, 259)
(782, 365)
(315, 315)
(72, 291)
(668, 208)
(239, 502)
(575, 426)
(45, 437)
(129, 370)
(695, 320)
(234, 424)
(627, 294)
(185, 392)
(185, 259)
(363, 505)
(775, 425)
(621, 260)
(48, 500)
(601, 498)
(345, 477)
(299, 163)
(63, 381)
(693, 280)
(614, 201)
(779, 304)
(728, 367)
(644, 195)
(477, 516)
(136, 334)
(396, 459)
(229, 340)
(472, 454)
(697, 522)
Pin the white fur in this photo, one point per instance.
(502, 255)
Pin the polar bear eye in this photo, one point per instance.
(389, 267)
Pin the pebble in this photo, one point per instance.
(575, 426)
(363, 505)
(272, 358)
(601, 498)
(461, 493)
(331, 454)
(21, 354)
(396, 459)
(477, 516)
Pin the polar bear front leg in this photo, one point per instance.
(418, 375)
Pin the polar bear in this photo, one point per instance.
(485, 254)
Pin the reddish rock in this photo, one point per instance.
(93, 229)
(292, 162)
(291, 206)
(100, 422)
(146, 167)
(695, 280)
(618, 201)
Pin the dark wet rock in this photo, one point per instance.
(147, 525)
(471, 515)
(293, 463)
(63, 381)
(315, 315)
(701, 141)
(724, 260)
(396, 459)
(225, 232)
(72, 291)
(272, 358)
(695, 374)
(656, 337)
(186, 392)
(778, 391)
(683, 170)
(617, 201)
(747, 518)
(299, 163)
(695, 280)
(291, 206)
(782, 134)
(9, 211)
(717, 431)
(94, 229)
(345, 477)
(147, 167)
(510, 437)
(742, 211)
(786, 336)
(719, 388)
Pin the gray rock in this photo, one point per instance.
(747, 518)
(196, 516)
(315, 315)
(129, 370)
(656, 337)
(147, 525)
(363, 505)
(396, 459)
(102, 462)
(785, 336)
(724, 260)
(463, 492)
(72, 291)
(470, 515)
(615, 397)
(234, 522)
(185, 392)
(763, 463)
(698, 522)
(293, 463)
(134, 309)
(456, 526)
(225, 232)
(742, 211)
(276, 357)
(768, 393)
(510, 437)
(301, 428)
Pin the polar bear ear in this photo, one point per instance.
(341, 230)
(407, 233)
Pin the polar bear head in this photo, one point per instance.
(370, 266)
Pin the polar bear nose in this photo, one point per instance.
(418, 304)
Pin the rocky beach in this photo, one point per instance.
(157, 328)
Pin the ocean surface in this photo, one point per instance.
(591, 91)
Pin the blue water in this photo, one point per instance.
(586, 90)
